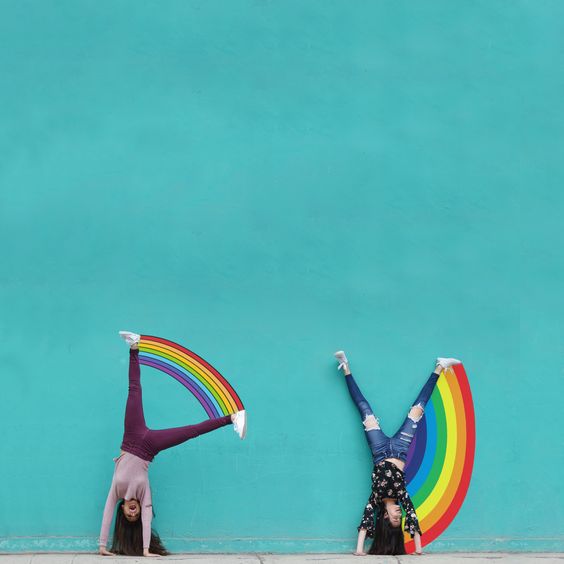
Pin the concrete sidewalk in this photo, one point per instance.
(452, 558)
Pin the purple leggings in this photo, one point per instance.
(146, 443)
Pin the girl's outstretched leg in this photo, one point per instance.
(134, 426)
(421, 401)
(376, 438)
(409, 426)
(166, 438)
(134, 417)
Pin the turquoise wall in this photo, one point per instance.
(266, 182)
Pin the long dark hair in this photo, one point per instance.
(128, 537)
(387, 538)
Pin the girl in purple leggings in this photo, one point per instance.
(130, 484)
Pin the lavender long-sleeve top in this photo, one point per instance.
(130, 481)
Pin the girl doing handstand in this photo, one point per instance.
(389, 455)
(130, 483)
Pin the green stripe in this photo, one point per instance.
(440, 451)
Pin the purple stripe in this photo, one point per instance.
(411, 451)
(177, 375)
(186, 382)
(416, 451)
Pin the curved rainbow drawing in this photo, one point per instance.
(208, 386)
(441, 456)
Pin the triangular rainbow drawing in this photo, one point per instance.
(208, 386)
(441, 457)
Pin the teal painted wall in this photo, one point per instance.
(266, 182)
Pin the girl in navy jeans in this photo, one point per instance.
(388, 481)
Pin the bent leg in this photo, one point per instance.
(134, 417)
(375, 437)
(165, 438)
(407, 431)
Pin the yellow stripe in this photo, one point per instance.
(192, 365)
(207, 377)
(450, 456)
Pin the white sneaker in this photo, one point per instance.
(240, 423)
(342, 358)
(446, 363)
(130, 338)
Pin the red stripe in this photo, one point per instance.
(227, 385)
(432, 533)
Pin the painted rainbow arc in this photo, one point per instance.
(208, 386)
(441, 457)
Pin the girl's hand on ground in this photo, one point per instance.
(147, 553)
(105, 552)
(417, 541)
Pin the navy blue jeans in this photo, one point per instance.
(380, 444)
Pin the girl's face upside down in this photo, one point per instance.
(131, 509)
(393, 513)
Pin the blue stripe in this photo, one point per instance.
(430, 450)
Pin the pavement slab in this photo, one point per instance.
(450, 558)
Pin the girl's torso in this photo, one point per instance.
(399, 463)
(131, 479)
(384, 483)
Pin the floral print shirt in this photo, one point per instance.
(388, 481)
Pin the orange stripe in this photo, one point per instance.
(439, 510)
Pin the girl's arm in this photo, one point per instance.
(146, 518)
(360, 543)
(107, 520)
(366, 526)
(411, 521)
(417, 541)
